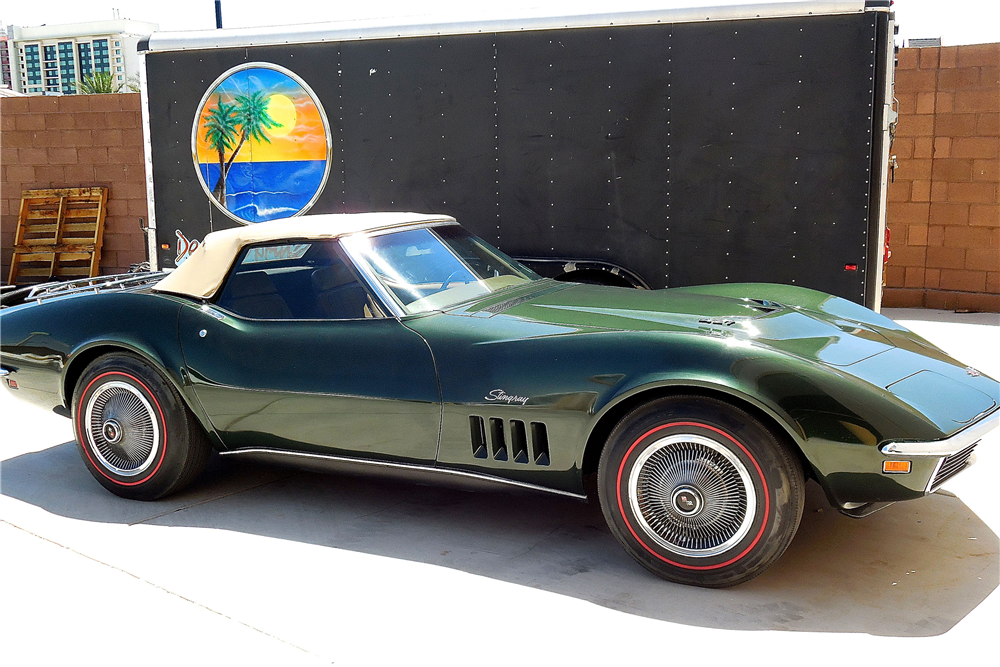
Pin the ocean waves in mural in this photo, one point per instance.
(258, 191)
(261, 144)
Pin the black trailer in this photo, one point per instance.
(656, 148)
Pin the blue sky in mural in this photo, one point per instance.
(266, 80)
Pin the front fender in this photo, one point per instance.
(836, 420)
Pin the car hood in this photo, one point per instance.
(803, 331)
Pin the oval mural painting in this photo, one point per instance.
(261, 143)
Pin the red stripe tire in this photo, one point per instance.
(135, 434)
(699, 491)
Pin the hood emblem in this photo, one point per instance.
(972, 371)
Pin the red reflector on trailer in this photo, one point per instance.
(850, 267)
(12, 384)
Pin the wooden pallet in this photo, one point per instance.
(59, 235)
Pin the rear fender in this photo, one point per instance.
(165, 358)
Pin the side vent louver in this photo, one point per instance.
(518, 441)
(540, 443)
(521, 451)
(498, 441)
(478, 437)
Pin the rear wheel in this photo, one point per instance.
(699, 491)
(135, 434)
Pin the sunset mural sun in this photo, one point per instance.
(262, 144)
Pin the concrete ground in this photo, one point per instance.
(258, 565)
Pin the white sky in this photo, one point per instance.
(955, 21)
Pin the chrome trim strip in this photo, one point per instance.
(391, 28)
(445, 220)
(404, 466)
(374, 284)
(934, 473)
(883, 165)
(152, 254)
(931, 487)
(948, 446)
(119, 281)
(4, 372)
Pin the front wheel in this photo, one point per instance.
(135, 434)
(699, 491)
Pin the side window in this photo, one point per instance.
(299, 281)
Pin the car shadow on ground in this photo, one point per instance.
(913, 569)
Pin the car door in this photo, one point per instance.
(295, 353)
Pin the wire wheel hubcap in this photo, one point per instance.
(122, 429)
(692, 495)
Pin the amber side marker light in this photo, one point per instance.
(900, 467)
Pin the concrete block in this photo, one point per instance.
(920, 191)
(984, 215)
(949, 213)
(62, 155)
(979, 55)
(945, 258)
(30, 121)
(973, 193)
(952, 170)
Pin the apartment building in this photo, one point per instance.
(7, 59)
(51, 59)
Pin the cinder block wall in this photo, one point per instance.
(76, 141)
(944, 211)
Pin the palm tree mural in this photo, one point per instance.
(220, 133)
(268, 121)
(248, 117)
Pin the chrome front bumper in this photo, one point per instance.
(952, 445)
(954, 454)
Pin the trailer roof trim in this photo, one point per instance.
(430, 26)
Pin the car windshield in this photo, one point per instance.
(433, 268)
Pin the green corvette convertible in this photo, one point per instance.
(402, 345)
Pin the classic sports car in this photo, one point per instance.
(401, 344)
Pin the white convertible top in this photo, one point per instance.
(202, 273)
